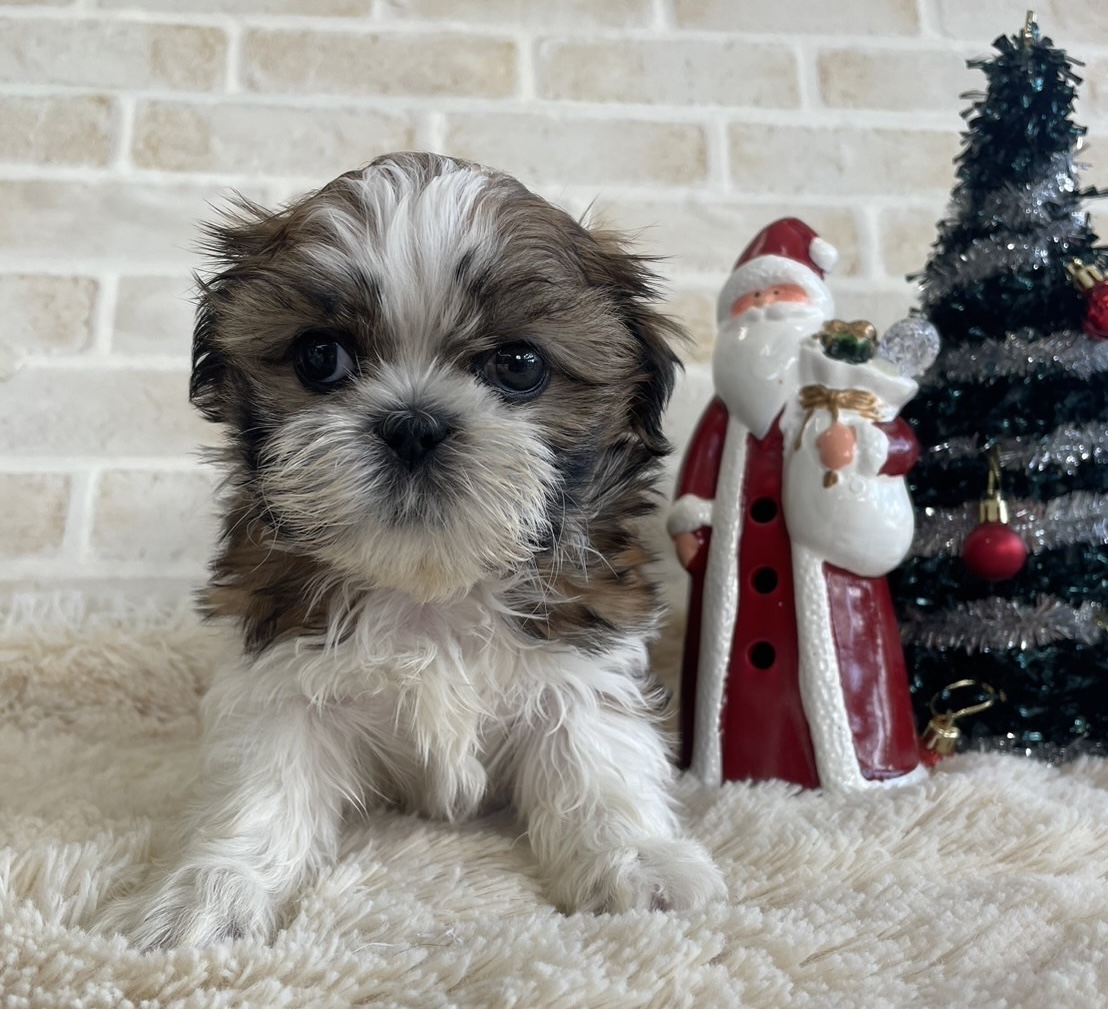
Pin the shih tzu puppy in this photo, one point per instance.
(443, 398)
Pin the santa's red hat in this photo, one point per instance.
(784, 252)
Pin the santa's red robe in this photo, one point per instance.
(763, 727)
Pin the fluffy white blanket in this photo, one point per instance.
(986, 886)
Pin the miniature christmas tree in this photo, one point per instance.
(1015, 408)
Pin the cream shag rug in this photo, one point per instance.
(984, 887)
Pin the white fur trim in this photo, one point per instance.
(765, 271)
(823, 254)
(720, 608)
(688, 513)
(821, 691)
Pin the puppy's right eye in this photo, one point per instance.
(321, 361)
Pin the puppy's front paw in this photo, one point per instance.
(454, 789)
(192, 907)
(654, 874)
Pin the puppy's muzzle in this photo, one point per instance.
(413, 435)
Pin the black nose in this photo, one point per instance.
(412, 434)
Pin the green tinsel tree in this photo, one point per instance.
(1017, 379)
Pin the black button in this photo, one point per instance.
(764, 580)
(762, 655)
(763, 510)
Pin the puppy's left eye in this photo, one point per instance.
(321, 361)
(517, 369)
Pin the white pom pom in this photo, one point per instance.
(823, 254)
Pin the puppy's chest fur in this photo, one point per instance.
(439, 696)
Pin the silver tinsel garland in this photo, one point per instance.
(1020, 354)
(1022, 208)
(1067, 448)
(1004, 624)
(1080, 517)
(1001, 253)
(1016, 211)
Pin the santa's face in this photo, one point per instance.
(754, 362)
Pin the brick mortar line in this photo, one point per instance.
(928, 18)
(435, 127)
(779, 40)
(49, 266)
(219, 187)
(806, 80)
(167, 362)
(116, 595)
(177, 262)
(569, 110)
(123, 108)
(869, 253)
(103, 314)
(209, 185)
(233, 65)
(15, 263)
(84, 515)
(527, 68)
(927, 37)
(719, 154)
(101, 569)
(665, 17)
(106, 362)
(886, 283)
(83, 464)
(78, 515)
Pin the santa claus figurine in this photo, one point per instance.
(790, 508)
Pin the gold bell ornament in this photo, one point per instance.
(940, 738)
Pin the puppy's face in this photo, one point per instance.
(430, 375)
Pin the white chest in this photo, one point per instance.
(424, 688)
(433, 700)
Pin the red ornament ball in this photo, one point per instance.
(994, 552)
(1096, 312)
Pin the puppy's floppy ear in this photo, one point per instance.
(207, 384)
(241, 235)
(629, 279)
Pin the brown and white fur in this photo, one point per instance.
(448, 617)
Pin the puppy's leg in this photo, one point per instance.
(267, 812)
(592, 784)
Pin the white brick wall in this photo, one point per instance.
(688, 122)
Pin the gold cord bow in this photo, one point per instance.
(819, 397)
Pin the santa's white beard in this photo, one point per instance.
(754, 362)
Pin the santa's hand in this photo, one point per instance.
(836, 446)
(687, 546)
